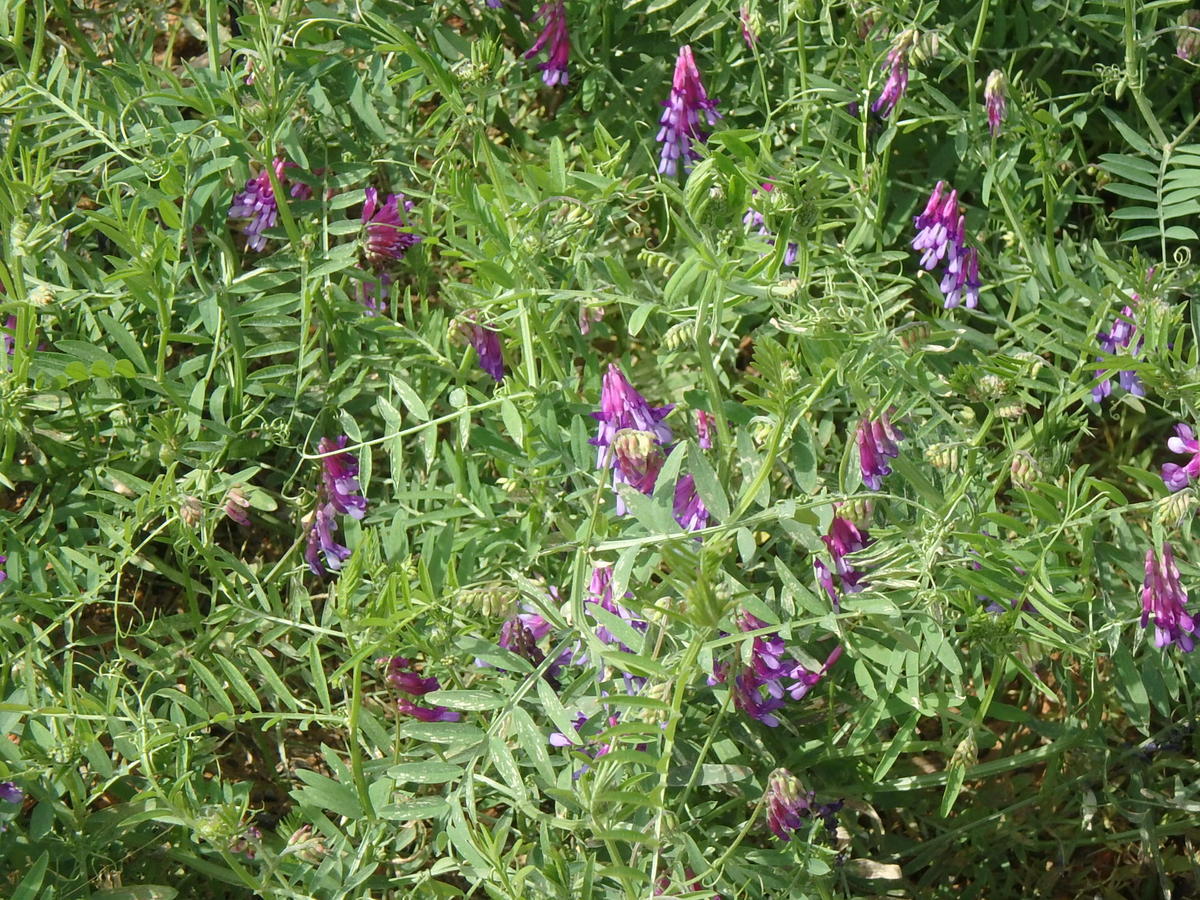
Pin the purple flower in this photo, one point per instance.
(896, 66)
(257, 203)
(748, 698)
(788, 806)
(486, 342)
(9, 332)
(518, 638)
(994, 95)
(938, 227)
(385, 238)
(3, 574)
(401, 675)
(962, 275)
(427, 713)
(1164, 597)
(754, 220)
(1117, 339)
(941, 238)
(1178, 477)
(766, 651)
(876, 444)
(10, 793)
(681, 120)
(322, 542)
(339, 472)
(554, 17)
(805, 680)
(690, 511)
(704, 423)
(622, 407)
(403, 678)
(844, 538)
(375, 295)
(600, 594)
(759, 689)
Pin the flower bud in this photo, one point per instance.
(1024, 470)
(1187, 41)
(191, 511)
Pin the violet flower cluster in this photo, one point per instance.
(600, 594)
(1115, 341)
(404, 678)
(553, 16)
(844, 538)
(484, 340)
(521, 635)
(876, 439)
(10, 793)
(1163, 599)
(680, 122)
(759, 688)
(623, 409)
(896, 65)
(1178, 477)
(383, 225)
(257, 205)
(941, 239)
(338, 495)
(754, 221)
(789, 806)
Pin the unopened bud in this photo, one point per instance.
(236, 505)
(191, 511)
(1024, 470)
(1187, 42)
(944, 456)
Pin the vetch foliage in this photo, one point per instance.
(790, 500)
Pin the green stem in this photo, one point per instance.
(976, 40)
(1133, 75)
(356, 761)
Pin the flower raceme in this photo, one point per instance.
(941, 239)
(622, 408)
(876, 439)
(339, 472)
(1113, 342)
(553, 16)
(257, 204)
(995, 97)
(485, 341)
(788, 806)
(1178, 477)
(1163, 599)
(338, 495)
(383, 223)
(680, 122)
(401, 675)
(759, 689)
(844, 538)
